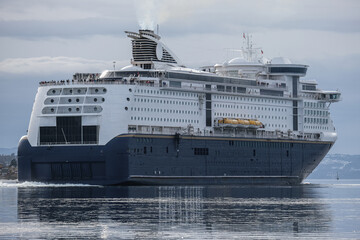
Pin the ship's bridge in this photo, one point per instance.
(283, 66)
(330, 96)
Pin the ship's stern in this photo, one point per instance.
(98, 165)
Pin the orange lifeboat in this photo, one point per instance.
(239, 122)
(254, 123)
(243, 123)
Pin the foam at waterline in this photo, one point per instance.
(15, 183)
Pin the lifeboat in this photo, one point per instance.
(241, 123)
(230, 122)
(255, 123)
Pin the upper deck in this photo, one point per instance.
(198, 81)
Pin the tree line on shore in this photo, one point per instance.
(8, 166)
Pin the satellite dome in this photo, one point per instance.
(280, 60)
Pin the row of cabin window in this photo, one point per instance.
(311, 96)
(256, 144)
(78, 100)
(201, 151)
(316, 113)
(316, 120)
(205, 151)
(157, 92)
(149, 100)
(197, 151)
(275, 125)
(316, 127)
(164, 119)
(249, 99)
(314, 105)
(251, 107)
(164, 110)
(249, 116)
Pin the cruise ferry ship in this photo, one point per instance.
(249, 120)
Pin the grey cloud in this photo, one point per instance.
(177, 18)
(231, 24)
(63, 10)
(63, 29)
(51, 65)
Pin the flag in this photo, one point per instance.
(244, 35)
(262, 52)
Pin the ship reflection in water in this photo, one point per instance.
(166, 212)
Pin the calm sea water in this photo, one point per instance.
(315, 210)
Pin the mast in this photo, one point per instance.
(250, 54)
(249, 48)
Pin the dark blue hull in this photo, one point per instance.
(173, 160)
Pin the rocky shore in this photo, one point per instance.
(8, 167)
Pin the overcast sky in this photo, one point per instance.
(52, 39)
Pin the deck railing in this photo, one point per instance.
(225, 132)
(158, 83)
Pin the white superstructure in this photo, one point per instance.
(156, 94)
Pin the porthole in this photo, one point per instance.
(69, 109)
(95, 99)
(77, 109)
(77, 100)
(126, 108)
(95, 109)
(96, 90)
(52, 100)
(52, 110)
(53, 91)
(104, 90)
(79, 91)
(69, 100)
(103, 99)
(130, 90)
(70, 90)
(128, 99)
